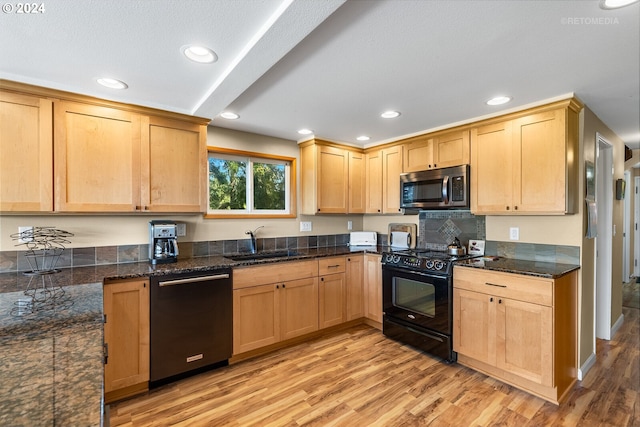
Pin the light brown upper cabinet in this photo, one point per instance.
(26, 153)
(65, 152)
(391, 170)
(174, 165)
(383, 169)
(527, 164)
(373, 173)
(435, 151)
(331, 179)
(357, 182)
(110, 160)
(97, 158)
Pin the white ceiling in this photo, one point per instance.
(333, 66)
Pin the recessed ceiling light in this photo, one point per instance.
(615, 4)
(112, 83)
(200, 54)
(229, 115)
(390, 114)
(363, 138)
(499, 100)
(305, 131)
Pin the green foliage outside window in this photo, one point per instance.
(227, 184)
(233, 178)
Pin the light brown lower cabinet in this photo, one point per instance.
(355, 287)
(274, 302)
(284, 300)
(519, 329)
(267, 314)
(332, 291)
(126, 338)
(373, 288)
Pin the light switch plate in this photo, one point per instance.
(181, 229)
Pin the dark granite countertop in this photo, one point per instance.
(51, 371)
(12, 282)
(550, 270)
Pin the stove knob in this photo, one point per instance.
(439, 265)
(396, 258)
(388, 258)
(429, 264)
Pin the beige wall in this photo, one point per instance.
(593, 124)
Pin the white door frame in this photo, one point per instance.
(626, 230)
(604, 239)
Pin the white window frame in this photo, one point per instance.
(250, 158)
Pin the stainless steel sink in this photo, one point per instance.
(261, 255)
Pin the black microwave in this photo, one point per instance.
(445, 188)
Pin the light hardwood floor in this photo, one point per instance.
(359, 378)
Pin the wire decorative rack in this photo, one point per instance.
(45, 246)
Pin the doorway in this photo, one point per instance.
(627, 273)
(604, 250)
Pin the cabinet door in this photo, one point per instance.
(357, 183)
(298, 307)
(332, 300)
(174, 166)
(26, 153)
(333, 169)
(418, 154)
(540, 182)
(373, 171)
(451, 149)
(373, 287)
(391, 170)
(256, 318)
(492, 168)
(524, 339)
(355, 287)
(474, 325)
(97, 159)
(126, 334)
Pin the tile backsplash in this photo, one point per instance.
(11, 261)
(437, 229)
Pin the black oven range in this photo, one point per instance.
(417, 299)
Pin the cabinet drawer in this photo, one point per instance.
(332, 265)
(244, 277)
(515, 286)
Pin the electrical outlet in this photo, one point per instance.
(181, 229)
(305, 226)
(25, 231)
(349, 225)
(514, 233)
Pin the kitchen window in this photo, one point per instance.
(243, 184)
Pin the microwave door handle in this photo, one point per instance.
(445, 190)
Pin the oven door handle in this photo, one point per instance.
(427, 334)
(192, 280)
(424, 333)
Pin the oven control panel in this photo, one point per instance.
(415, 263)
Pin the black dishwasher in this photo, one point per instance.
(191, 323)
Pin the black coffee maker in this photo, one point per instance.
(163, 241)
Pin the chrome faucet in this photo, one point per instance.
(252, 240)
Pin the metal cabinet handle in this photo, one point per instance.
(493, 284)
(192, 280)
(333, 266)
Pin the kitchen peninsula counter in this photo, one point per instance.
(52, 371)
